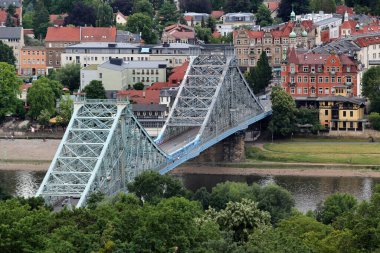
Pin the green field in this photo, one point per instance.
(343, 153)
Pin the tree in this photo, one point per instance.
(374, 119)
(237, 6)
(9, 21)
(200, 6)
(68, 75)
(327, 6)
(203, 34)
(11, 10)
(42, 96)
(242, 218)
(277, 201)
(217, 4)
(263, 16)
(144, 7)
(27, 20)
(44, 117)
(203, 196)
(9, 88)
(124, 6)
(139, 22)
(95, 90)
(260, 75)
(6, 54)
(104, 12)
(305, 116)
(371, 83)
(334, 206)
(168, 13)
(40, 20)
(151, 187)
(66, 107)
(283, 115)
(286, 7)
(81, 15)
(138, 86)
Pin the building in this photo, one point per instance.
(33, 61)
(120, 18)
(57, 19)
(58, 38)
(178, 33)
(145, 97)
(341, 9)
(327, 29)
(231, 21)
(274, 42)
(175, 54)
(273, 6)
(341, 113)
(151, 116)
(14, 38)
(117, 74)
(127, 37)
(17, 18)
(217, 15)
(193, 18)
(305, 75)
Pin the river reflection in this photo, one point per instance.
(307, 191)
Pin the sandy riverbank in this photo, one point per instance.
(207, 170)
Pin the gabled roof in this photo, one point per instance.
(273, 6)
(217, 14)
(98, 34)
(366, 41)
(57, 19)
(341, 9)
(141, 96)
(64, 34)
(10, 32)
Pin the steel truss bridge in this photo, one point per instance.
(105, 147)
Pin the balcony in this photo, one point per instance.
(291, 84)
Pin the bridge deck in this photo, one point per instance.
(179, 141)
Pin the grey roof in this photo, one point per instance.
(120, 45)
(148, 108)
(346, 46)
(326, 21)
(169, 92)
(6, 3)
(125, 36)
(354, 100)
(361, 18)
(197, 16)
(10, 32)
(133, 65)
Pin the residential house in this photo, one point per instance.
(33, 61)
(57, 20)
(217, 15)
(274, 42)
(13, 37)
(178, 33)
(121, 19)
(58, 38)
(231, 21)
(193, 18)
(273, 6)
(175, 54)
(310, 74)
(117, 74)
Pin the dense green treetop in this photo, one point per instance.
(6, 54)
(371, 83)
(263, 16)
(9, 89)
(286, 7)
(141, 23)
(68, 75)
(95, 90)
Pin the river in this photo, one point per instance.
(307, 191)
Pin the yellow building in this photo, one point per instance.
(341, 113)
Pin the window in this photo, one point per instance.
(327, 91)
(312, 79)
(305, 79)
(312, 69)
(326, 112)
(100, 75)
(344, 114)
(374, 46)
(320, 90)
(333, 79)
(305, 69)
(292, 90)
(299, 91)
(238, 42)
(339, 79)
(348, 79)
(299, 79)
(292, 79)
(351, 114)
(326, 79)
(277, 50)
(349, 68)
(292, 69)
(320, 79)
(332, 60)
(312, 90)
(305, 90)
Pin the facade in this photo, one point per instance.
(120, 18)
(330, 26)
(175, 54)
(33, 61)
(13, 37)
(150, 116)
(193, 18)
(275, 43)
(178, 33)
(232, 21)
(306, 75)
(58, 38)
(341, 113)
(117, 74)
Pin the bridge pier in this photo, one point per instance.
(231, 149)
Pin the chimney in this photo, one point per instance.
(143, 94)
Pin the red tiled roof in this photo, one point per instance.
(178, 73)
(28, 31)
(216, 34)
(325, 36)
(179, 27)
(65, 34)
(341, 9)
(141, 96)
(315, 58)
(3, 16)
(25, 87)
(57, 19)
(366, 41)
(217, 14)
(161, 85)
(188, 18)
(272, 6)
(307, 24)
(98, 34)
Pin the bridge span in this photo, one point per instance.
(105, 147)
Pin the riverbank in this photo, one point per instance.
(321, 172)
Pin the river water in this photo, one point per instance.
(307, 191)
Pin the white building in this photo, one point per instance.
(14, 38)
(232, 21)
(120, 18)
(90, 53)
(332, 24)
(193, 18)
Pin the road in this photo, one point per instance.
(179, 141)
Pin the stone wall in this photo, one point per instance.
(366, 134)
